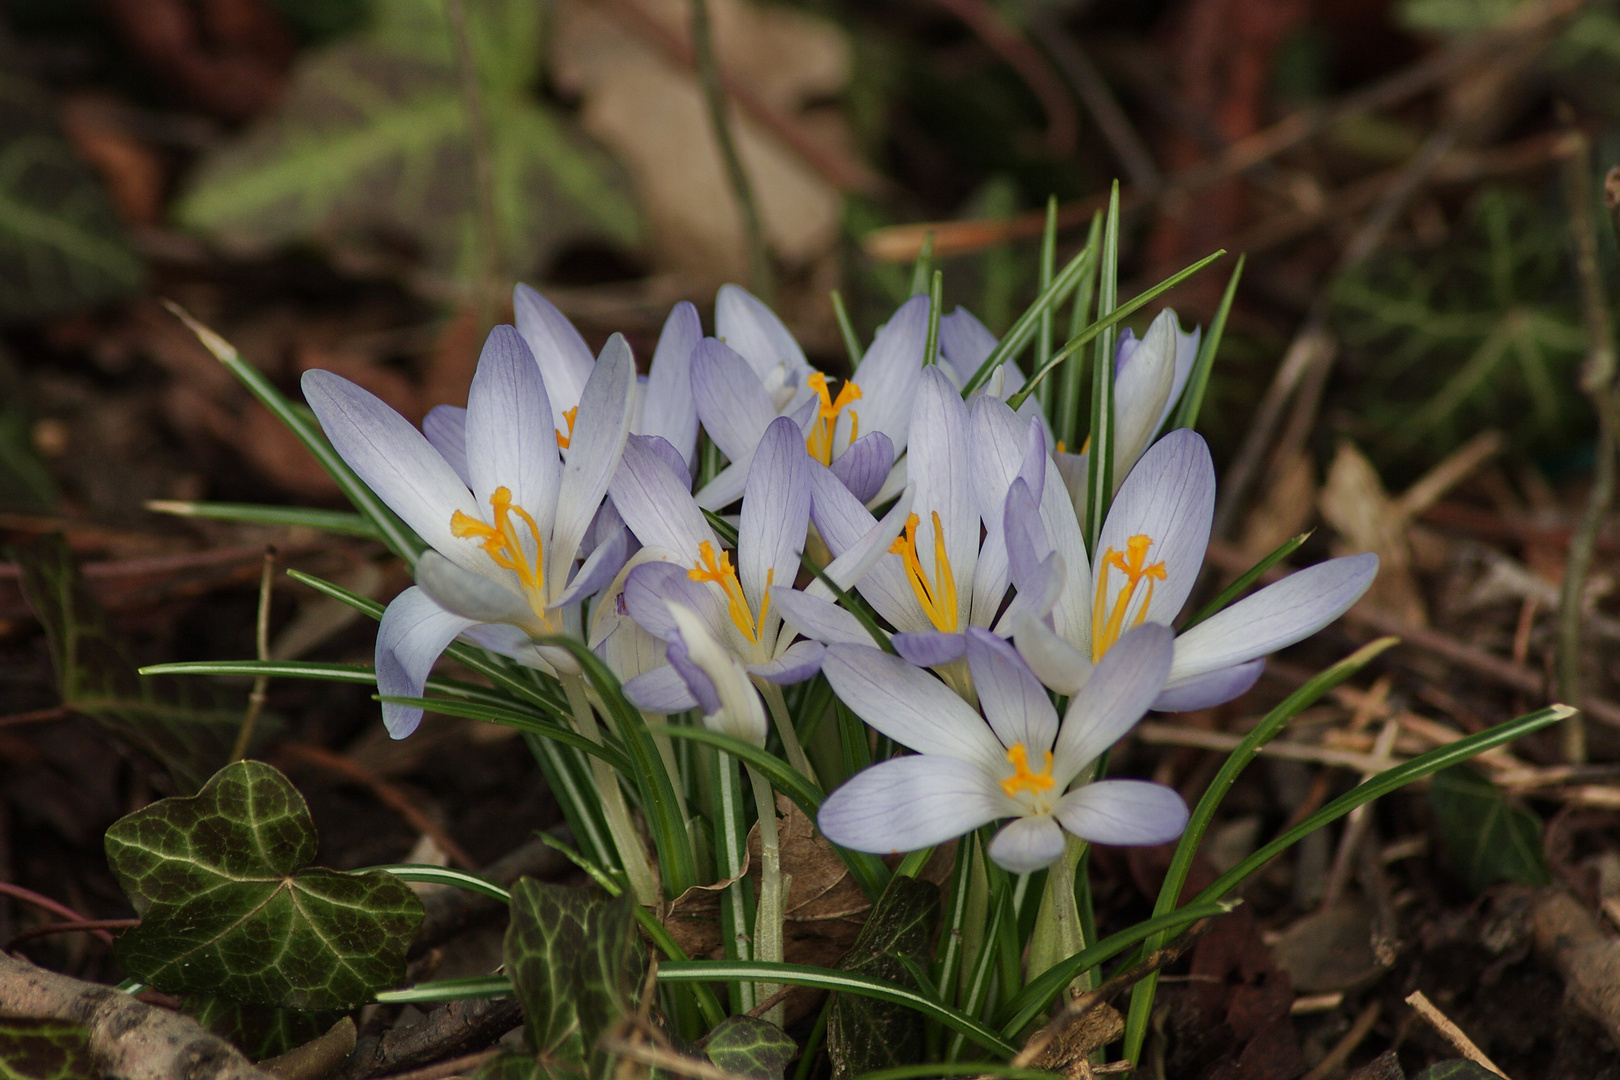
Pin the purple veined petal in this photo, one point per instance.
(938, 455)
(562, 356)
(1119, 690)
(649, 587)
(889, 372)
(656, 506)
(508, 641)
(1170, 499)
(396, 461)
(1141, 391)
(660, 690)
(510, 443)
(1130, 812)
(1037, 598)
(1124, 347)
(413, 632)
(601, 427)
(597, 571)
(817, 618)
(473, 596)
(446, 428)
(838, 515)
(909, 803)
(1014, 703)
(1026, 844)
(743, 322)
(865, 464)
(929, 648)
(726, 487)
(1027, 542)
(991, 577)
(997, 444)
(1278, 615)
(666, 452)
(848, 528)
(668, 409)
(775, 514)
(1072, 468)
(1210, 689)
(911, 707)
(699, 686)
(734, 407)
(1186, 355)
(1054, 661)
(796, 663)
(741, 713)
(858, 560)
(964, 343)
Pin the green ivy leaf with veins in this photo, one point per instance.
(45, 1050)
(751, 1047)
(231, 908)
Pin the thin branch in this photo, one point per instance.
(1003, 39)
(1088, 83)
(261, 637)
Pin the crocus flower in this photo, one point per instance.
(1017, 761)
(1149, 554)
(744, 379)
(505, 540)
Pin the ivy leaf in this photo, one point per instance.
(751, 1047)
(259, 1031)
(1458, 1069)
(61, 246)
(370, 146)
(157, 716)
(230, 907)
(864, 1035)
(45, 1050)
(1487, 839)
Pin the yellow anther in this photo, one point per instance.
(720, 571)
(820, 440)
(1061, 445)
(1022, 779)
(1134, 565)
(570, 415)
(504, 545)
(937, 599)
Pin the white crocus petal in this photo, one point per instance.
(909, 803)
(510, 441)
(396, 461)
(844, 523)
(1054, 661)
(734, 407)
(563, 357)
(1280, 614)
(819, 619)
(938, 454)
(446, 428)
(1014, 703)
(655, 506)
(742, 713)
(1207, 691)
(660, 690)
(890, 371)
(667, 408)
(854, 562)
(775, 515)
(743, 322)
(1026, 844)
(1123, 812)
(1141, 391)
(1118, 692)
(1186, 355)
(413, 632)
(605, 561)
(600, 429)
(911, 707)
(473, 596)
(794, 664)
(626, 648)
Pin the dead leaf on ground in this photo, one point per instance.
(1588, 957)
(1283, 512)
(1330, 949)
(1354, 502)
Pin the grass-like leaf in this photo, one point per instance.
(1023, 330)
(338, 522)
(1192, 396)
(1245, 579)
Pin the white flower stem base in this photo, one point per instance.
(632, 856)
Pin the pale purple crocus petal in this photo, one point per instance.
(1141, 392)
(394, 460)
(699, 686)
(660, 690)
(603, 565)
(843, 524)
(666, 452)
(1132, 812)
(865, 464)
(1014, 703)
(655, 505)
(649, 587)
(1027, 543)
(510, 440)
(964, 343)
(909, 803)
(741, 713)
(1026, 844)
(667, 408)
(413, 632)
(734, 407)
(446, 428)
(1170, 498)
(1278, 615)
(726, 487)
(472, 596)
(743, 322)
(938, 454)
(929, 648)
(775, 512)
(1120, 689)
(1053, 660)
(838, 515)
(509, 641)
(1210, 689)
(796, 663)
(563, 358)
(889, 372)
(1186, 355)
(858, 559)
(911, 707)
(817, 618)
(601, 427)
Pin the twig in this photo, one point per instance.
(1099, 100)
(742, 191)
(456, 1028)
(36, 716)
(462, 1066)
(1062, 124)
(1355, 825)
(71, 927)
(1451, 1032)
(1336, 1057)
(129, 1038)
(261, 637)
(489, 236)
(449, 911)
(29, 896)
(1597, 381)
(1150, 731)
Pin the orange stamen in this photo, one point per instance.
(721, 572)
(820, 440)
(1134, 565)
(504, 545)
(937, 599)
(570, 415)
(1022, 779)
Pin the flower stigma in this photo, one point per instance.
(938, 600)
(570, 415)
(820, 440)
(1022, 779)
(722, 573)
(504, 545)
(1134, 565)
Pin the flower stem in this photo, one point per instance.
(784, 727)
(772, 891)
(733, 855)
(1058, 934)
(632, 856)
